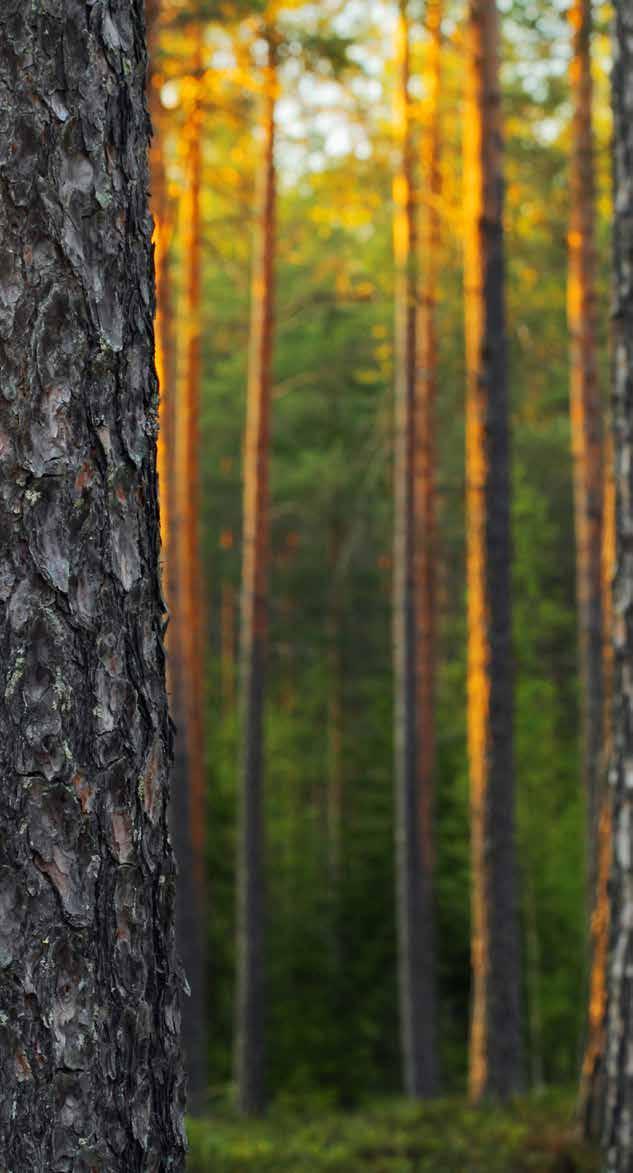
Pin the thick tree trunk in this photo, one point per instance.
(250, 1003)
(618, 1134)
(426, 552)
(495, 1040)
(586, 425)
(88, 979)
(414, 963)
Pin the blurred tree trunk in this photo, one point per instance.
(592, 1084)
(186, 631)
(414, 962)
(495, 1038)
(586, 425)
(617, 1132)
(334, 819)
(250, 1001)
(227, 648)
(426, 551)
(89, 982)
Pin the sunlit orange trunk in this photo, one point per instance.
(249, 1034)
(593, 1069)
(415, 963)
(186, 635)
(495, 1048)
(586, 422)
(426, 551)
(192, 607)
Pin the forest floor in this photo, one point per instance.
(535, 1134)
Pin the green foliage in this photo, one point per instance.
(332, 1021)
(531, 1136)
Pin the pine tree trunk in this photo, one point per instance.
(586, 425)
(426, 552)
(250, 1002)
(495, 1040)
(89, 983)
(186, 642)
(413, 961)
(593, 1068)
(618, 1134)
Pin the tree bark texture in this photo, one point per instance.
(593, 1068)
(425, 504)
(586, 424)
(89, 982)
(250, 1001)
(186, 635)
(618, 1124)
(414, 961)
(495, 1038)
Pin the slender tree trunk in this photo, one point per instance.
(426, 527)
(413, 962)
(88, 977)
(593, 1070)
(335, 725)
(495, 1039)
(250, 1003)
(618, 1133)
(227, 648)
(186, 634)
(586, 424)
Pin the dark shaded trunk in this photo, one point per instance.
(88, 978)
(413, 960)
(495, 1039)
(250, 1002)
(586, 425)
(617, 1132)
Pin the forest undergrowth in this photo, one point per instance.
(535, 1134)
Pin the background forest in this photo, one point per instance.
(332, 1038)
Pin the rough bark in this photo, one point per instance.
(250, 1001)
(413, 961)
(426, 551)
(89, 986)
(495, 1038)
(586, 424)
(618, 1124)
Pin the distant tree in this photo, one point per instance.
(617, 1134)
(425, 507)
(178, 469)
(249, 1030)
(495, 1039)
(415, 959)
(89, 983)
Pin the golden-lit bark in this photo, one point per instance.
(495, 1012)
(415, 960)
(586, 422)
(592, 1079)
(187, 545)
(249, 1035)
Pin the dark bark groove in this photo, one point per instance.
(89, 983)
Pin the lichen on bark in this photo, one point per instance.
(89, 981)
